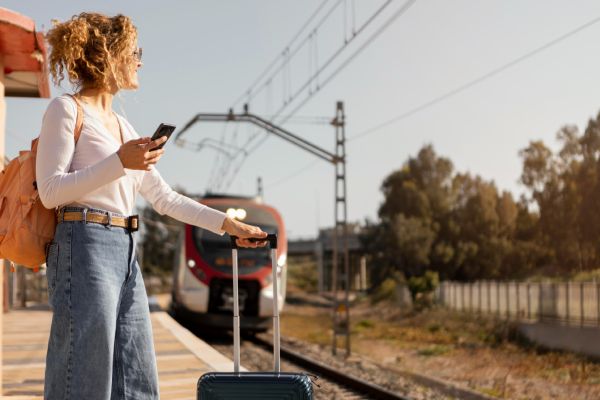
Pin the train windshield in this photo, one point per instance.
(216, 250)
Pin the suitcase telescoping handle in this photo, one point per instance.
(272, 238)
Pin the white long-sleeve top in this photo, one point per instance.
(91, 174)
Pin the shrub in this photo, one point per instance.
(422, 287)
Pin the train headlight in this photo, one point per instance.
(239, 213)
(231, 213)
(191, 263)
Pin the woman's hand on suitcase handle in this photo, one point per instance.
(244, 232)
(136, 154)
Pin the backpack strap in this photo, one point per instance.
(79, 120)
(78, 127)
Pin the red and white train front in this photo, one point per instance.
(203, 280)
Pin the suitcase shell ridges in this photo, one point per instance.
(254, 385)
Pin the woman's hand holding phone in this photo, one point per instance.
(137, 154)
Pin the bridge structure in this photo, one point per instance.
(322, 246)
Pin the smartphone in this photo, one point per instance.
(162, 130)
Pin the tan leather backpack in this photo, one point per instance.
(26, 226)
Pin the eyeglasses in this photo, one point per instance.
(138, 54)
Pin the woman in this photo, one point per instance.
(101, 343)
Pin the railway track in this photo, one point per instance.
(334, 377)
(331, 381)
(349, 387)
(257, 355)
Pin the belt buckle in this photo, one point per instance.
(130, 223)
(109, 219)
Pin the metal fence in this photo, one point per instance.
(573, 303)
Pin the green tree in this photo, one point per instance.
(565, 187)
(416, 204)
(454, 224)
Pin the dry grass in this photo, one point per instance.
(472, 351)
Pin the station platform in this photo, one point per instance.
(182, 357)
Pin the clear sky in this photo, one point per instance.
(200, 56)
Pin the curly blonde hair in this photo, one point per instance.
(89, 47)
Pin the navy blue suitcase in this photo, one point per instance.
(255, 385)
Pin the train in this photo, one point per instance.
(203, 276)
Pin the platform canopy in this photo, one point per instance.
(23, 51)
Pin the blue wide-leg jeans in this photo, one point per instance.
(101, 344)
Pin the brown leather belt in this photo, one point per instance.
(131, 223)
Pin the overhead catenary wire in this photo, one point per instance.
(216, 180)
(314, 76)
(286, 57)
(250, 93)
(286, 54)
(475, 81)
(218, 157)
(405, 7)
(344, 64)
(246, 93)
(337, 53)
(447, 95)
(285, 68)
